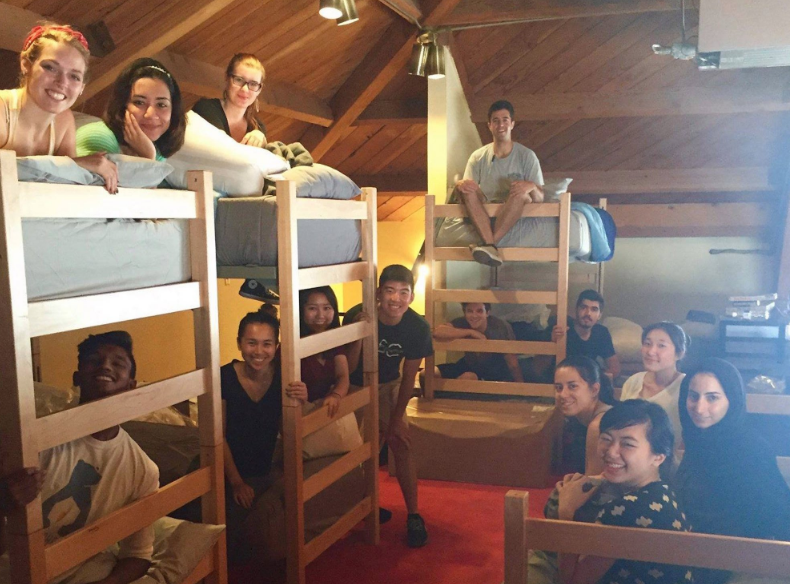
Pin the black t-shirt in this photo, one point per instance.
(598, 345)
(409, 339)
(252, 427)
(210, 109)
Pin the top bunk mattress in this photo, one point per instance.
(247, 235)
(527, 232)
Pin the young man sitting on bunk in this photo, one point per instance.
(403, 336)
(501, 172)
(91, 477)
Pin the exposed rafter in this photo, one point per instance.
(476, 12)
(693, 220)
(15, 23)
(666, 102)
(279, 98)
(395, 184)
(408, 9)
(410, 111)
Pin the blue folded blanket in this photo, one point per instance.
(600, 250)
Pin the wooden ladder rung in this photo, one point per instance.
(318, 419)
(495, 296)
(497, 346)
(496, 387)
(335, 471)
(334, 274)
(508, 254)
(321, 543)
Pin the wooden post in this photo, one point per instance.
(206, 331)
(516, 514)
(430, 203)
(288, 263)
(370, 364)
(562, 270)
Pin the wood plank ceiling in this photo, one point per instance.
(591, 98)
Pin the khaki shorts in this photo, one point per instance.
(388, 398)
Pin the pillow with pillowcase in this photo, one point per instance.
(133, 172)
(318, 182)
(554, 188)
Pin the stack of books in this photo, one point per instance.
(751, 307)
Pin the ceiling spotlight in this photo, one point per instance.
(419, 58)
(350, 14)
(434, 68)
(331, 9)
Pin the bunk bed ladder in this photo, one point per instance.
(293, 349)
(434, 294)
(24, 436)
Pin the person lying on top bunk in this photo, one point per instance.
(583, 395)
(35, 118)
(325, 375)
(252, 410)
(636, 450)
(89, 478)
(478, 323)
(586, 336)
(728, 481)
(236, 115)
(144, 117)
(501, 172)
(664, 344)
(404, 336)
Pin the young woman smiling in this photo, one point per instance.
(583, 395)
(36, 119)
(728, 481)
(145, 116)
(664, 344)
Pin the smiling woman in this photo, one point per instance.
(144, 117)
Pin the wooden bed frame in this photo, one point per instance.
(293, 349)
(25, 436)
(737, 554)
(434, 292)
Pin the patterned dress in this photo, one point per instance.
(653, 506)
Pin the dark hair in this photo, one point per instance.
(501, 104)
(396, 273)
(633, 412)
(591, 373)
(590, 295)
(266, 314)
(731, 383)
(171, 141)
(676, 334)
(487, 305)
(93, 343)
(304, 296)
(248, 58)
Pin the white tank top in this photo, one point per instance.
(12, 106)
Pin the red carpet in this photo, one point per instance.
(466, 534)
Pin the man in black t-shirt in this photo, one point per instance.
(586, 336)
(403, 336)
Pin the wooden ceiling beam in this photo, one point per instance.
(690, 180)
(408, 9)
(15, 23)
(693, 220)
(170, 22)
(492, 12)
(667, 102)
(395, 184)
(283, 99)
(410, 111)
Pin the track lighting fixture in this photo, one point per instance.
(434, 68)
(350, 14)
(427, 57)
(343, 11)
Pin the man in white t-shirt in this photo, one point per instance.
(89, 478)
(501, 172)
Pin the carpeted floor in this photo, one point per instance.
(465, 527)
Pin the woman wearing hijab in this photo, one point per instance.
(728, 482)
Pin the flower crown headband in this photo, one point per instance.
(38, 31)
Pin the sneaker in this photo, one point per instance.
(384, 515)
(486, 255)
(416, 533)
(254, 290)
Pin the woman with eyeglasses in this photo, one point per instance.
(235, 113)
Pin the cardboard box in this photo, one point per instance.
(505, 443)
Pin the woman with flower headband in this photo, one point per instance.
(36, 118)
(235, 113)
(145, 116)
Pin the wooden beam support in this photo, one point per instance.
(390, 184)
(510, 11)
(667, 102)
(278, 98)
(687, 180)
(410, 111)
(407, 9)
(693, 220)
(15, 23)
(437, 11)
(173, 20)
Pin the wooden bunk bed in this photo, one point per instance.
(435, 291)
(25, 436)
(737, 554)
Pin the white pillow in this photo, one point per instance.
(320, 182)
(626, 338)
(554, 188)
(339, 437)
(139, 173)
(238, 169)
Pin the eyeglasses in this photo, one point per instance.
(241, 82)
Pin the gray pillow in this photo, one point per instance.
(133, 172)
(319, 182)
(554, 188)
